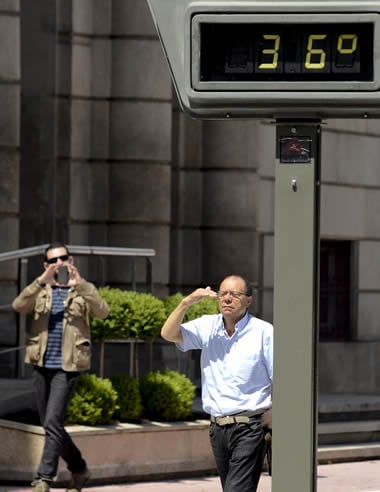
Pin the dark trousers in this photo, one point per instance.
(54, 388)
(239, 454)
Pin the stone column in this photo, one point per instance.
(84, 89)
(10, 72)
(230, 200)
(187, 200)
(140, 140)
(38, 169)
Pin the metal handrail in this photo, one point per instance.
(25, 253)
(84, 250)
(89, 250)
(11, 349)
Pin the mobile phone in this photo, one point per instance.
(62, 275)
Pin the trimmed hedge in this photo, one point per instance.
(166, 395)
(132, 315)
(161, 395)
(208, 305)
(94, 401)
(129, 398)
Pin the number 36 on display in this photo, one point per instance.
(287, 52)
(316, 52)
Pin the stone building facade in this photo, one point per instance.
(95, 151)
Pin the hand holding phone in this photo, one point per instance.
(62, 275)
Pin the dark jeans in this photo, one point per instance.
(54, 388)
(239, 454)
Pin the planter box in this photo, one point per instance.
(114, 453)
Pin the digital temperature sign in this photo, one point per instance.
(277, 59)
(264, 53)
(286, 52)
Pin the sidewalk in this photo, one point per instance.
(360, 476)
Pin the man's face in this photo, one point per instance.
(233, 302)
(57, 256)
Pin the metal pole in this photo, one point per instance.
(23, 265)
(132, 356)
(102, 270)
(101, 357)
(149, 277)
(133, 273)
(296, 321)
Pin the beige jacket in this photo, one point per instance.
(81, 302)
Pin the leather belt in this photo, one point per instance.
(238, 418)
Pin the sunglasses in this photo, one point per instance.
(56, 258)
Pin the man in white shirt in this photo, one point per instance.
(237, 373)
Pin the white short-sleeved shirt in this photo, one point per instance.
(237, 371)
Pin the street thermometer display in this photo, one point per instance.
(291, 52)
(260, 53)
(273, 59)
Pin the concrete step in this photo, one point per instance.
(340, 453)
(338, 407)
(349, 432)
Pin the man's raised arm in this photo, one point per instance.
(171, 330)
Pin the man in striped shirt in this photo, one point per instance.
(59, 347)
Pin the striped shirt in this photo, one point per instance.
(53, 354)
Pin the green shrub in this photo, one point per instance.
(132, 315)
(145, 315)
(208, 305)
(129, 398)
(114, 326)
(94, 401)
(166, 395)
(171, 302)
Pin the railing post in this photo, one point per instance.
(132, 353)
(101, 357)
(133, 274)
(102, 270)
(21, 335)
(149, 279)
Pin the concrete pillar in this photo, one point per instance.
(10, 72)
(85, 159)
(140, 140)
(231, 200)
(187, 200)
(38, 194)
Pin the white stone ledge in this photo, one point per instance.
(121, 451)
